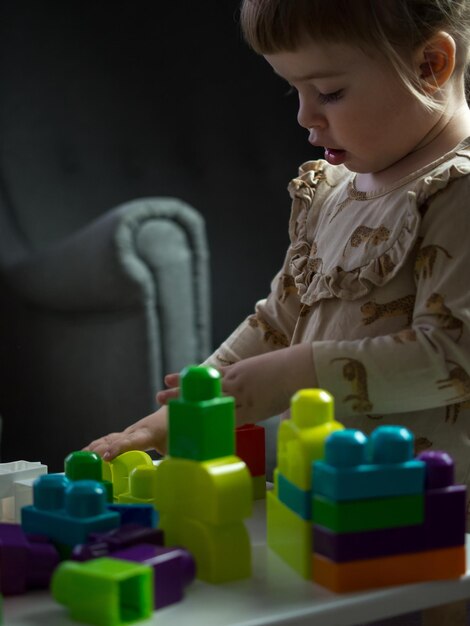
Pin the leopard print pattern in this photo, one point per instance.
(425, 260)
(363, 235)
(288, 287)
(459, 381)
(355, 373)
(435, 304)
(373, 311)
(270, 334)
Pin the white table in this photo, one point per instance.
(274, 595)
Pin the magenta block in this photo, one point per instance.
(174, 570)
(103, 544)
(26, 562)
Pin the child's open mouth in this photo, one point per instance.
(335, 157)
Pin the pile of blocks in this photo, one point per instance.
(382, 517)
(353, 512)
(115, 541)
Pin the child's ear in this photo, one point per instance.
(436, 61)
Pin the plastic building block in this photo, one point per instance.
(289, 536)
(443, 525)
(356, 467)
(392, 570)
(142, 486)
(10, 474)
(118, 470)
(173, 570)
(217, 491)
(105, 591)
(360, 515)
(259, 487)
(201, 421)
(222, 552)
(301, 439)
(26, 562)
(250, 446)
(143, 514)
(298, 500)
(105, 544)
(439, 468)
(67, 511)
(83, 465)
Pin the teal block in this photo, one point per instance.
(68, 511)
(360, 515)
(104, 591)
(298, 500)
(85, 465)
(201, 422)
(356, 467)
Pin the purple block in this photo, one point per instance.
(444, 527)
(174, 569)
(25, 562)
(439, 469)
(103, 544)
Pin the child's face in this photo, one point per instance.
(353, 105)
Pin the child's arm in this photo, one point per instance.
(263, 385)
(148, 433)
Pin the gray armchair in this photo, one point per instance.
(91, 323)
(104, 280)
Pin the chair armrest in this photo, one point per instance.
(110, 264)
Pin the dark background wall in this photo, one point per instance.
(104, 102)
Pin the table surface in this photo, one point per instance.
(274, 595)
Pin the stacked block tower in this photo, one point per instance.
(301, 441)
(352, 512)
(382, 517)
(204, 491)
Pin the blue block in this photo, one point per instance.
(296, 499)
(68, 511)
(357, 468)
(142, 514)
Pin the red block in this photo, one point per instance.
(251, 447)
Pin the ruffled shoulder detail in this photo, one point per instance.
(344, 244)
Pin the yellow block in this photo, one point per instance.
(119, 469)
(289, 536)
(222, 552)
(301, 439)
(219, 491)
(142, 486)
(259, 487)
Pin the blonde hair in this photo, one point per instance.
(393, 28)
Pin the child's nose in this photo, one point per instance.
(310, 115)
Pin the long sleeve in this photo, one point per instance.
(427, 364)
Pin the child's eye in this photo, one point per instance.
(327, 98)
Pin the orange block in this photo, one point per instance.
(399, 569)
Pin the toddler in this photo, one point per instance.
(371, 302)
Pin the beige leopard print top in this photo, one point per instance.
(379, 284)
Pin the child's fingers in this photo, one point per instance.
(112, 445)
(167, 394)
(172, 380)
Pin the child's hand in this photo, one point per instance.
(264, 385)
(148, 433)
(172, 381)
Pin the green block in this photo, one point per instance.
(84, 465)
(358, 515)
(201, 422)
(104, 591)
